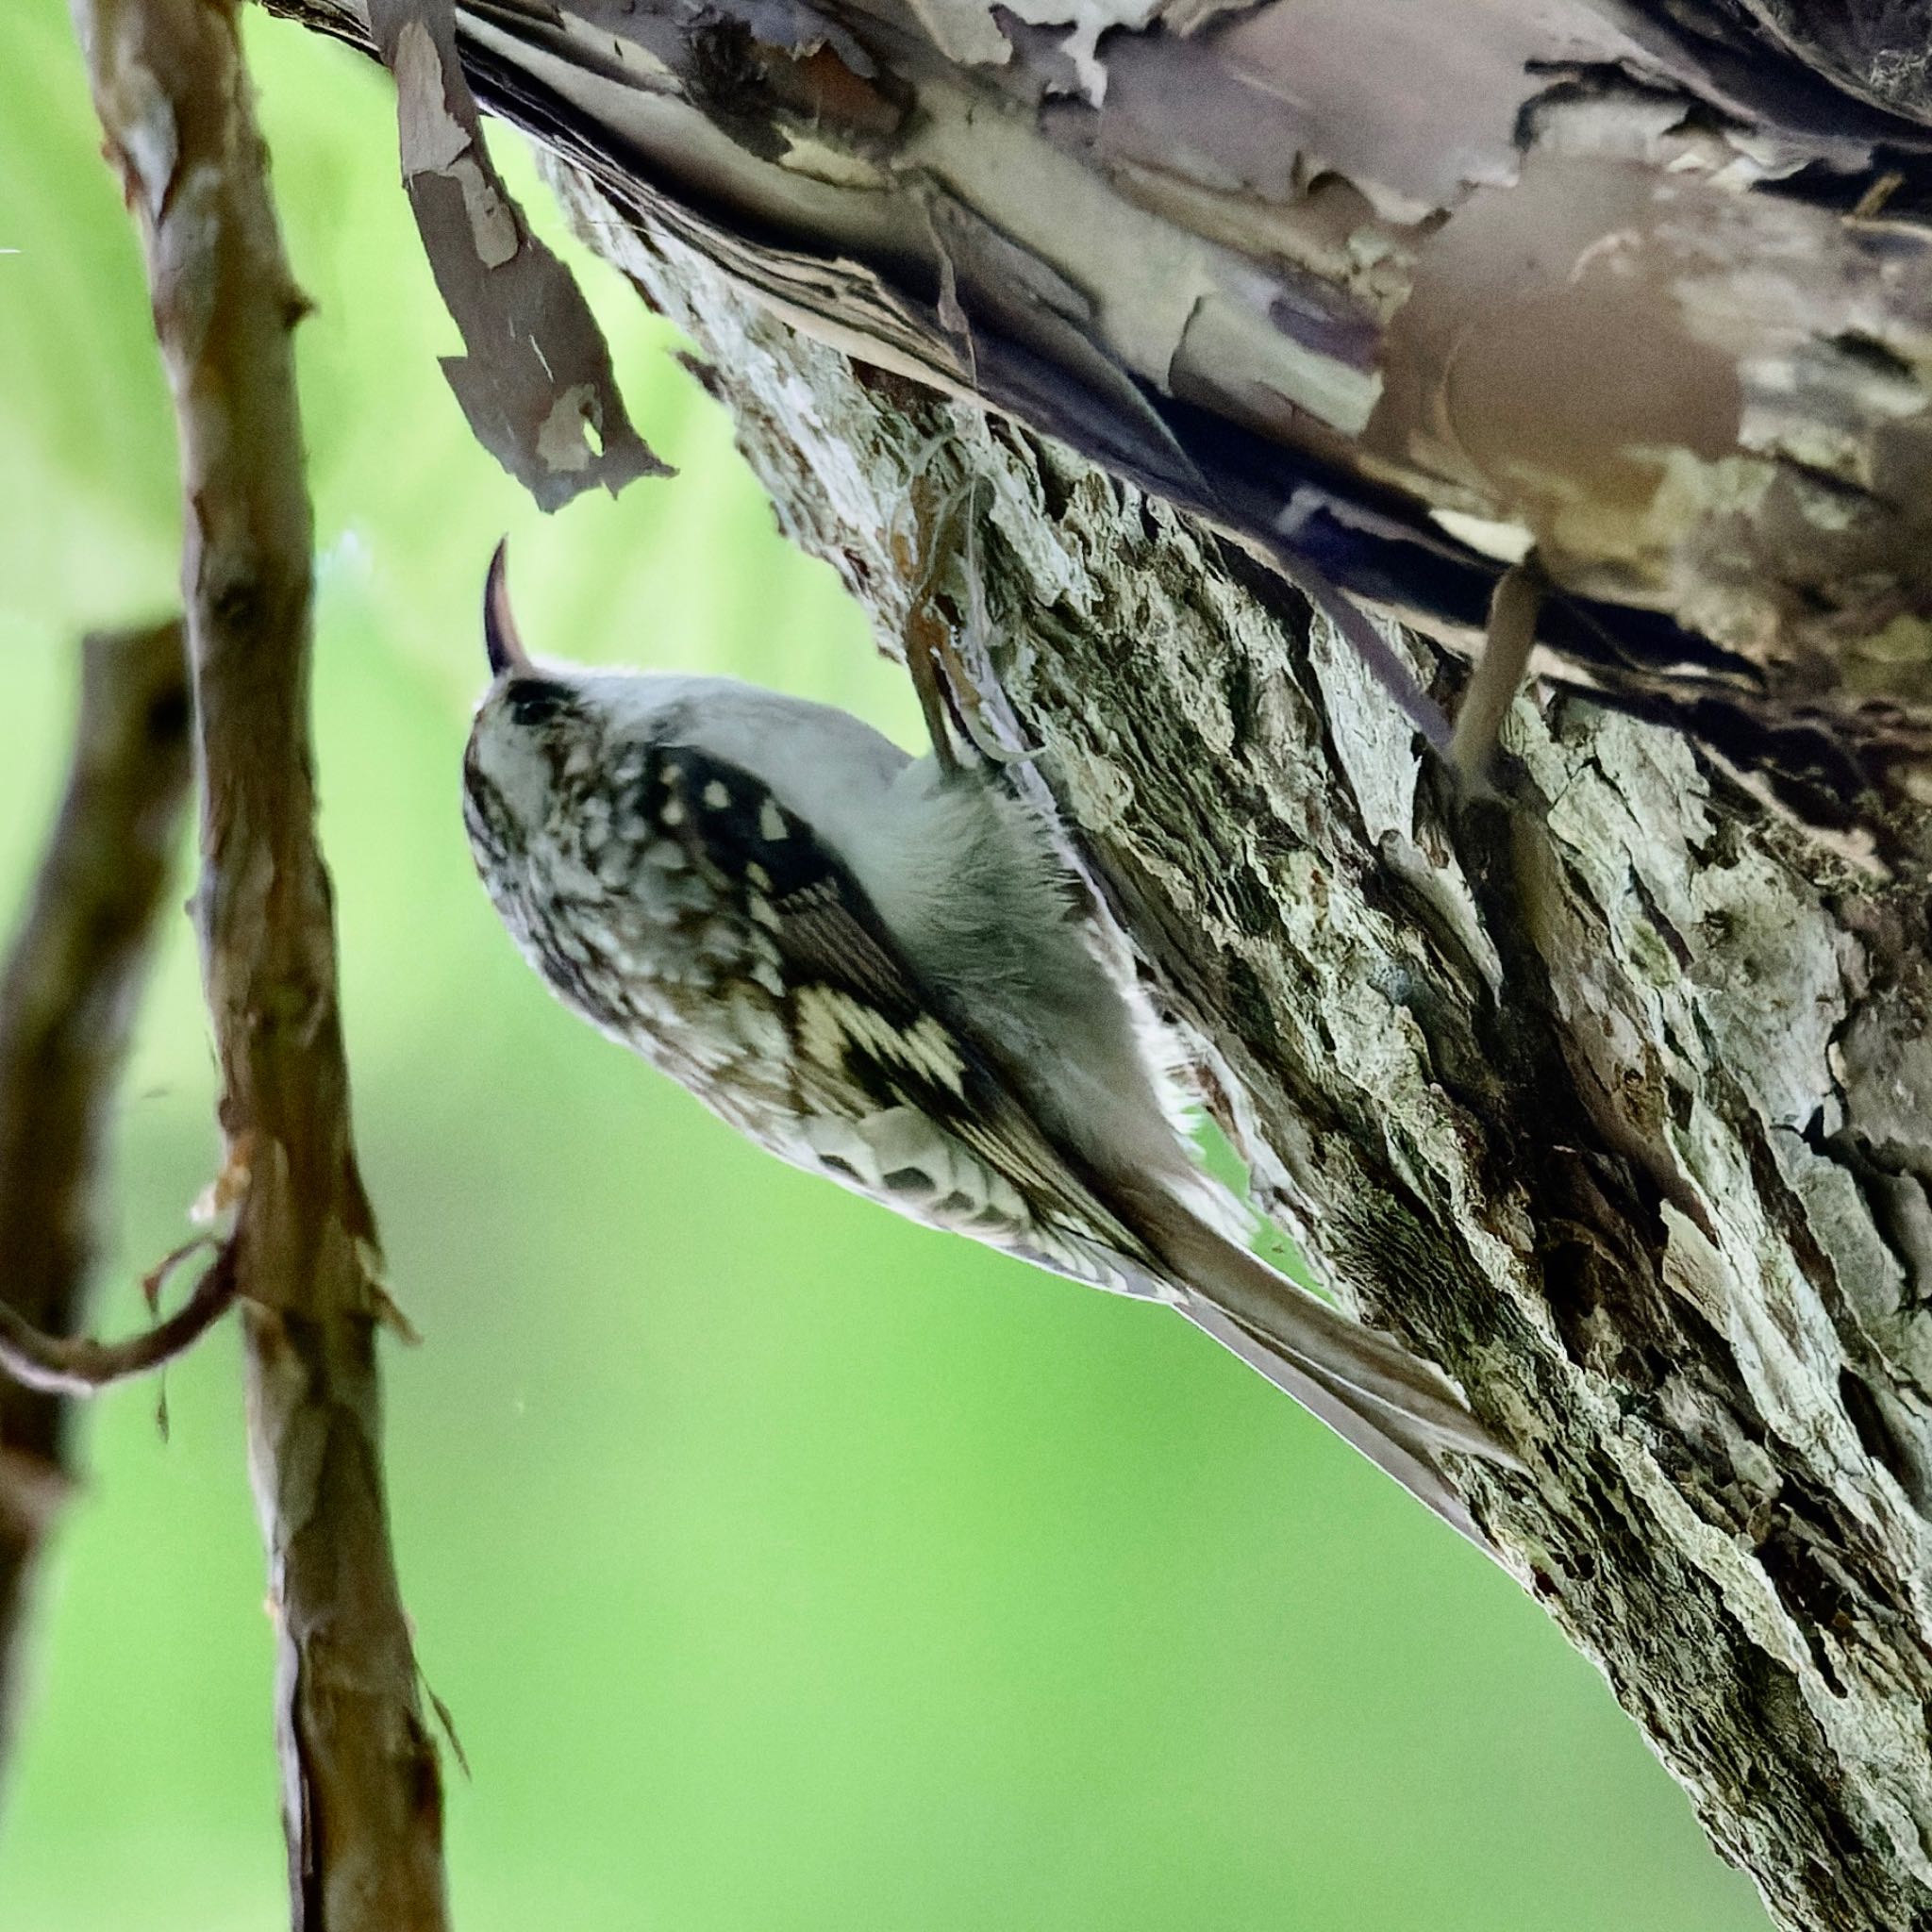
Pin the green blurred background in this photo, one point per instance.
(783, 1565)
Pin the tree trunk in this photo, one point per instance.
(1612, 1093)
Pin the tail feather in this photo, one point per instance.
(1381, 1440)
(1398, 1411)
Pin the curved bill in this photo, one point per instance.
(500, 637)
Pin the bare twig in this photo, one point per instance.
(362, 1800)
(79, 1365)
(70, 988)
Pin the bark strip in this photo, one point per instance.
(536, 381)
(72, 984)
(362, 1805)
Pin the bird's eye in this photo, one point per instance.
(536, 700)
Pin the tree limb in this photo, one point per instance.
(72, 987)
(361, 1794)
(1612, 1097)
(1623, 282)
(79, 1365)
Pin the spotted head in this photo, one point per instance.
(557, 774)
(590, 819)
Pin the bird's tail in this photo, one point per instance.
(1399, 1411)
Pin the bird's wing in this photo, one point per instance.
(897, 1098)
(901, 1101)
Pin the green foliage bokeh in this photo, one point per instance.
(783, 1565)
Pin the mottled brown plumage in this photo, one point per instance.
(878, 969)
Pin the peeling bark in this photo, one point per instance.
(535, 383)
(1612, 1094)
(1394, 290)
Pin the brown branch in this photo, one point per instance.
(70, 988)
(361, 1793)
(79, 1365)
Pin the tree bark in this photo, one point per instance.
(1613, 1099)
(1394, 292)
(72, 987)
(361, 1793)
(1613, 1093)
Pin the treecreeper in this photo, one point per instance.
(880, 969)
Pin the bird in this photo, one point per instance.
(882, 969)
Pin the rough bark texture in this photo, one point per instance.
(1614, 1095)
(1617, 1099)
(362, 1799)
(72, 987)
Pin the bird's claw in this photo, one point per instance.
(951, 696)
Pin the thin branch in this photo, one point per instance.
(79, 1365)
(72, 986)
(362, 1799)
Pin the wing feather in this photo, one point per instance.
(902, 1101)
(875, 1048)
